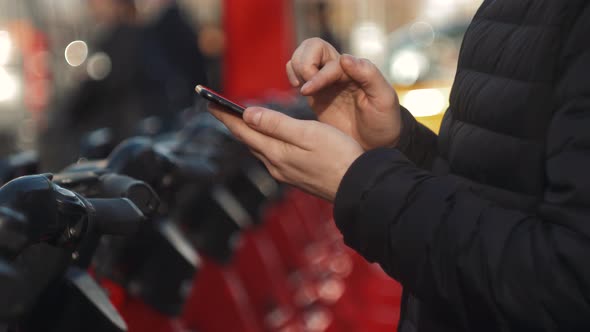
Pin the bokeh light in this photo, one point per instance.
(99, 66)
(425, 102)
(368, 41)
(407, 66)
(76, 53)
(5, 47)
(8, 85)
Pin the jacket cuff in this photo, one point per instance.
(364, 208)
(409, 125)
(417, 142)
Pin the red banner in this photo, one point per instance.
(259, 42)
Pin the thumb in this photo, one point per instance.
(366, 74)
(275, 124)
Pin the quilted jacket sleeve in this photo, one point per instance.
(417, 142)
(482, 262)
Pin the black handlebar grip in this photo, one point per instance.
(13, 231)
(139, 192)
(116, 216)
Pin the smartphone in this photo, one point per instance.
(219, 100)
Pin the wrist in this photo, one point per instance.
(406, 123)
(398, 121)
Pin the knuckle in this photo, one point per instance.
(275, 158)
(367, 67)
(314, 41)
(314, 44)
(296, 64)
(309, 132)
(307, 71)
(270, 123)
(237, 135)
(285, 151)
(279, 155)
(276, 174)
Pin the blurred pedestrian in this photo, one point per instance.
(152, 69)
(174, 64)
(113, 100)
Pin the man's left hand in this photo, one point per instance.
(307, 154)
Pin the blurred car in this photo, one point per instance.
(421, 64)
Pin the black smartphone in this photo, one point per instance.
(215, 97)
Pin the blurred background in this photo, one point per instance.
(101, 94)
(71, 66)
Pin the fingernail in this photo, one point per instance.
(253, 116)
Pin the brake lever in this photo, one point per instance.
(103, 184)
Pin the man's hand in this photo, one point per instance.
(307, 154)
(346, 92)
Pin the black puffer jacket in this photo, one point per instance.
(488, 225)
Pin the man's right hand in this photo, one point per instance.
(346, 92)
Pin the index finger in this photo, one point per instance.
(331, 73)
(310, 57)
